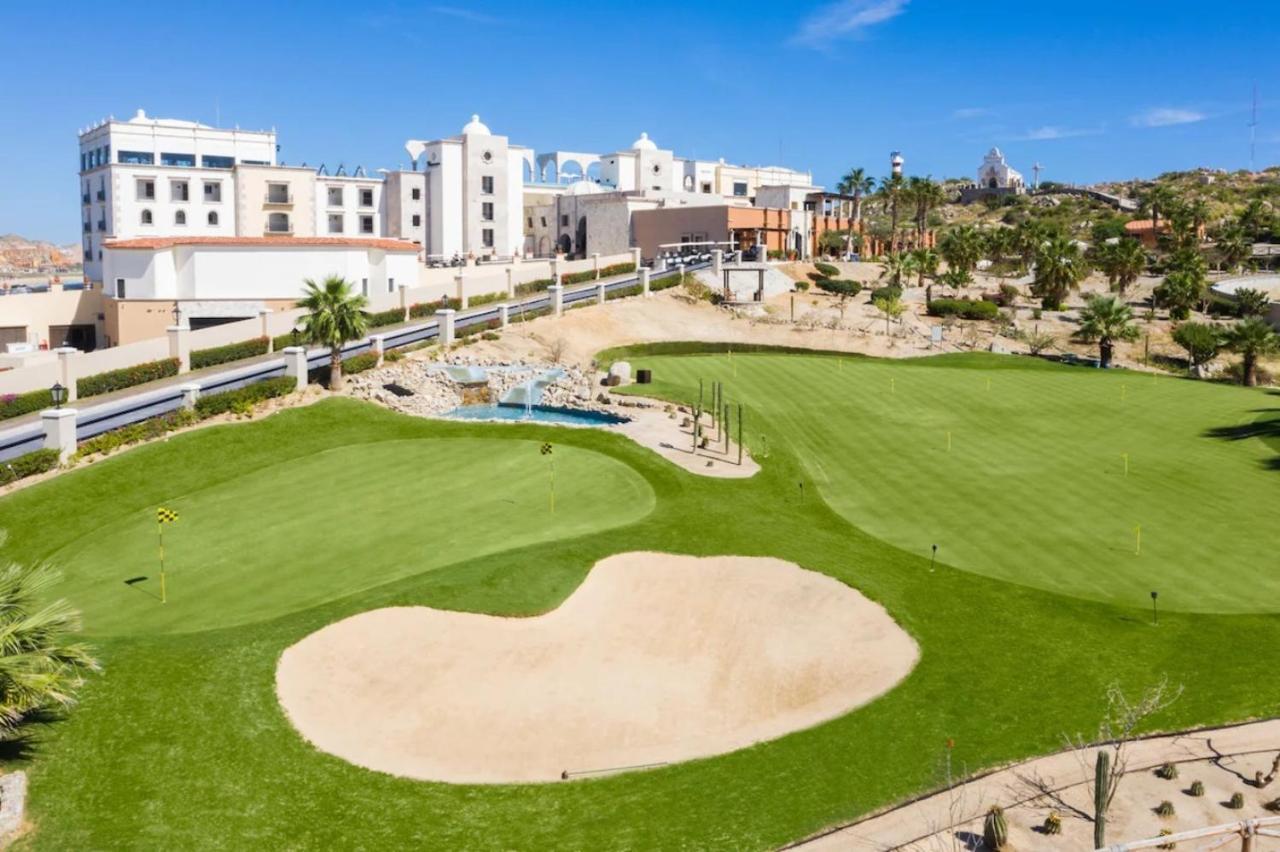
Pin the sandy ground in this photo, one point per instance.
(1223, 760)
(668, 431)
(654, 659)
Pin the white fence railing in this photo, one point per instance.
(1246, 831)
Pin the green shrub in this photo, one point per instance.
(134, 433)
(1196, 789)
(1164, 832)
(840, 286)
(280, 341)
(127, 377)
(826, 270)
(524, 316)
(491, 335)
(17, 404)
(220, 403)
(964, 308)
(486, 298)
(28, 464)
(624, 292)
(886, 293)
(590, 275)
(775, 254)
(201, 358)
(668, 282)
(422, 310)
(359, 363)
(803, 286)
(378, 319)
(538, 285)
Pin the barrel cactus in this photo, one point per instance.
(1196, 789)
(1236, 802)
(1052, 823)
(1165, 809)
(995, 832)
(1168, 771)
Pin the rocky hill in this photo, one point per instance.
(22, 256)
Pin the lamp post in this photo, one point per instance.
(177, 314)
(295, 334)
(59, 395)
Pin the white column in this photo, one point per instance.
(377, 342)
(717, 261)
(67, 369)
(180, 346)
(263, 313)
(600, 297)
(462, 292)
(680, 269)
(556, 292)
(59, 431)
(445, 319)
(190, 394)
(295, 364)
(404, 300)
(644, 282)
(595, 263)
(661, 264)
(635, 258)
(511, 283)
(504, 315)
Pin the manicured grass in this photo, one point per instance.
(1033, 488)
(181, 744)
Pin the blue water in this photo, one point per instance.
(537, 414)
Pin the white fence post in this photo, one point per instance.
(556, 291)
(717, 262)
(377, 342)
(600, 296)
(180, 346)
(504, 315)
(511, 283)
(59, 431)
(295, 364)
(67, 371)
(555, 270)
(190, 394)
(462, 292)
(595, 263)
(404, 300)
(644, 283)
(445, 319)
(635, 257)
(264, 314)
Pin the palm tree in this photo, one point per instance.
(1198, 210)
(998, 243)
(1252, 338)
(856, 182)
(961, 247)
(1060, 267)
(891, 307)
(1254, 217)
(39, 668)
(1233, 246)
(1160, 198)
(895, 268)
(926, 194)
(924, 263)
(890, 192)
(334, 315)
(955, 278)
(1252, 303)
(1181, 290)
(1106, 319)
(1122, 262)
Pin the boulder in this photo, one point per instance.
(619, 373)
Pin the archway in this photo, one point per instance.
(570, 171)
(582, 236)
(566, 244)
(593, 172)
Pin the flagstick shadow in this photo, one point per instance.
(133, 582)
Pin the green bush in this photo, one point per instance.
(201, 358)
(524, 316)
(1236, 802)
(127, 377)
(17, 404)
(803, 286)
(220, 403)
(491, 335)
(839, 286)
(590, 275)
(668, 282)
(28, 464)
(134, 433)
(1167, 771)
(378, 319)
(888, 293)
(486, 298)
(421, 310)
(359, 363)
(623, 292)
(280, 341)
(964, 308)
(775, 254)
(538, 285)
(1165, 809)
(826, 270)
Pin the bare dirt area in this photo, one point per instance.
(655, 658)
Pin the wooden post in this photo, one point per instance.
(697, 425)
(725, 428)
(739, 433)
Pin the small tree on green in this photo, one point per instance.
(335, 315)
(1201, 341)
(1251, 339)
(1252, 303)
(1106, 320)
(891, 307)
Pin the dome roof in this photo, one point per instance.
(475, 126)
(644, 143)
(995, 154)
(583, 186)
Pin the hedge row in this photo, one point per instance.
(145, 430)
(538, 285)
(127, 377)
(201, 358)
(487, 298)
(244, 398)
(280, 341)
(28, 464)
(669, 281)
(350, 366)
(964, 308)
(421, 310)
(624, 292)
(826, 270)
(377, 319)
(17, 404)
(839, 286)
(590, 275)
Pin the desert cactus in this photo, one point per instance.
(995, 833)
(1197, 788)
(1101, 775)
(1168, 771)
(1165, 809)
(1164, 832)
(1052, 823)
(1236, 802)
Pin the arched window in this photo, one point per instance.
(146, 217)
(213, 217)
(180, 218)
(278, 223)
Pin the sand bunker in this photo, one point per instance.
(654, 659)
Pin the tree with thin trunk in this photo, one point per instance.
(1060, 267)
(961, 248)
(1122, 262)
(1201, 341)
(1106, 320)
(1233, 246)
(891, 307)
(890, 192)
(856, 182)
(924, 263)
(1251, 339)
(40, 667)
(335, 315)
(896, 267)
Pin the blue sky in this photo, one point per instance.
(1093, 90)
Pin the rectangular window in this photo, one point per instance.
(212, 161)
(417, 220)
(212, 190)
(486, 237)
(364, 287)
(544, 221)
(740, 189)
(179, 190)
(119, 288)
(137, 158)
(529, 222)
(168, 159)
(335, 223)
(416, 194)
(706, 187)
(366, 224)
(486, 184)
(335, 196)
(564, 220)
(146, 190)
(486, 211)
(366, 198)
(391, 285)
(278, 193)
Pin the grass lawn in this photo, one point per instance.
(181, 744)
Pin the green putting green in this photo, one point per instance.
(296, 534)
(1017, 470)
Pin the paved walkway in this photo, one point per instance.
(918, 821)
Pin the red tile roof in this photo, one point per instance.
(273, 242)
(1138, 225)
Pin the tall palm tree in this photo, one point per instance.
(1122, 262)
(1180, 291)
(924, 263)
(961, 247)
(895, 269)
(1198, 210)
(890, 192)
(1253, 218)
(40, 668)
(1252, 338)
(856, 182)
(1060, 267)
(927, 195)
(334, 315)
(1160, 198)
(1233, 246)
(1106, 319)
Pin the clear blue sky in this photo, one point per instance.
(1093, 89)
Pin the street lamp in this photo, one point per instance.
(295, 334)
(177, 314)
(59, 395)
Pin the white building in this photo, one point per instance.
(995, 173)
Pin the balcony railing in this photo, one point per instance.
(279, 198)
(286, 231)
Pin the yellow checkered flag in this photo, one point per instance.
(166, 516)
(163, 516)
(546, 451)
